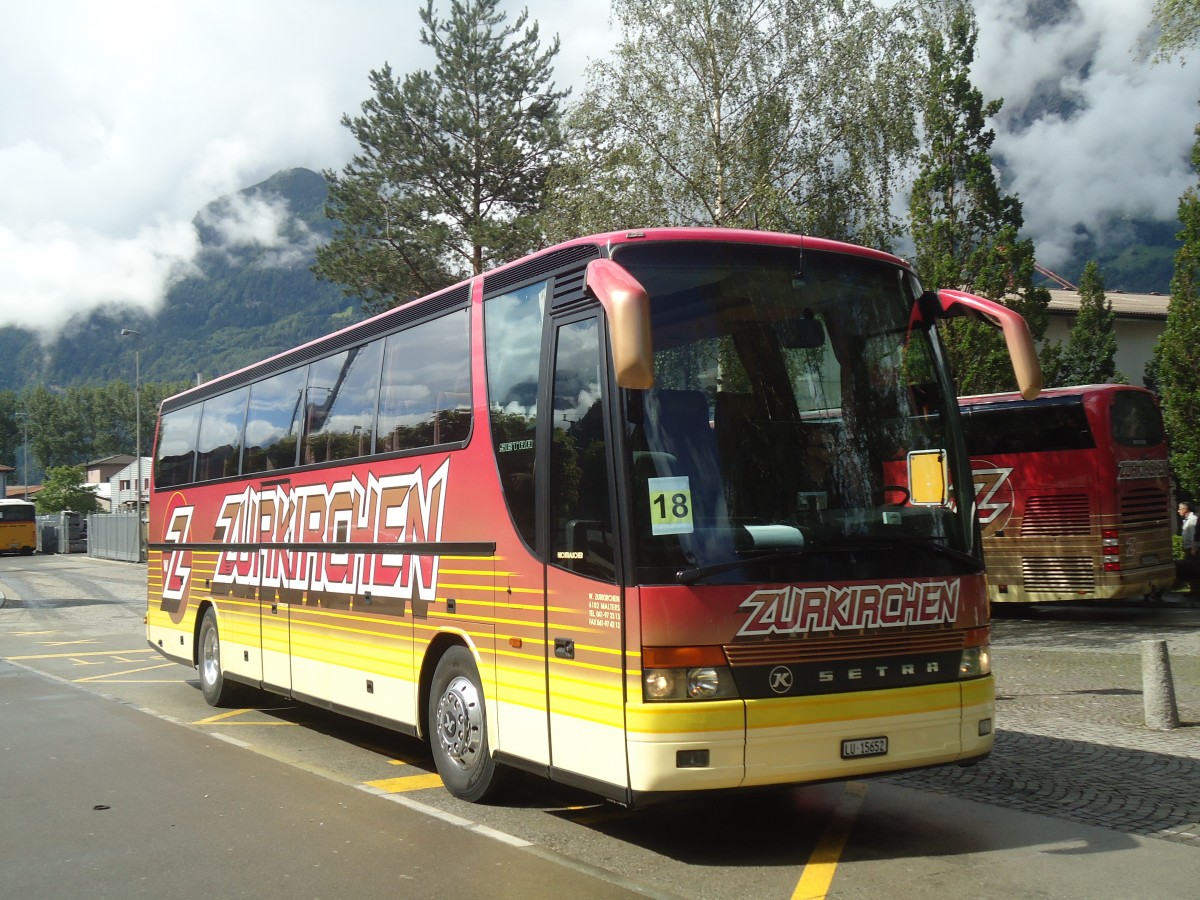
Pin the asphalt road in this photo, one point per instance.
(117, 780)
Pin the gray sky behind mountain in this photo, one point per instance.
(123, 118)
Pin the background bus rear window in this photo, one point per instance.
(1027, 428)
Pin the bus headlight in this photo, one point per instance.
(658, 684)
(976, 661)
(698, 683)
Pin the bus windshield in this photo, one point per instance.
(790, 390)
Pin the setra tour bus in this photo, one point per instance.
(614, 513)
(18, 527)
(1073, 493)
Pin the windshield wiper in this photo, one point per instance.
(694, 574)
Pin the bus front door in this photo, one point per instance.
(584, 600)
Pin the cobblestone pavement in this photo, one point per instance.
(1071, 740)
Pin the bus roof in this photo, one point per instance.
(1081, 390)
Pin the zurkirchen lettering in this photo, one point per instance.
(807, 610)
(394, 508)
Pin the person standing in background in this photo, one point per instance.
(1187, 516)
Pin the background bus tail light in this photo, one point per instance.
(1111, 544)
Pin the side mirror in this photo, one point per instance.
(627, 306)
(950, 304)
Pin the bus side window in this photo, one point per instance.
(342, 394)
(581, 527)
(513, 333)
(220, 443)
(176, 455)
(273, 422)
(424, 398)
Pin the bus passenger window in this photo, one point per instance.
(340, 409)
(176, 460)
(273, 422)
(424, 399)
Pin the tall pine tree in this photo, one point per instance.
(1090, 354)
(966, 230)
(453, 162)
(1176, 362)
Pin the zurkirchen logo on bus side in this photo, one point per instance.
(805, 610)
(400, 509)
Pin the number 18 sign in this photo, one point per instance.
(671, 505)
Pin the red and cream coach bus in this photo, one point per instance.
(613, 513)
(1073, 493)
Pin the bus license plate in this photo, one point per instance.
(860, 747)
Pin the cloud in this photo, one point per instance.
(261, 224)
(53, 271)
(1091, 132)
(124, 118)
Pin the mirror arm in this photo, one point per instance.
(950, 304)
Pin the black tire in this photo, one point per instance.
(217, 689)
(458, 728)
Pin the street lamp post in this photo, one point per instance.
(25, 453)
(137, 418)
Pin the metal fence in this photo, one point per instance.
(114, 536)
(102, 535)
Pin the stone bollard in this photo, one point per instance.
(1158, 690)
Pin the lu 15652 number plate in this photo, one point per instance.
(860, 747)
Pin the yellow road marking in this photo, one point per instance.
(112, 675)
(821, 866)
(85, 653)
(406, 783)
(225, 716)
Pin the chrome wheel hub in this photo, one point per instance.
(460, 722)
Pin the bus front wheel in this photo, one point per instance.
(458, 727)
(217, 689)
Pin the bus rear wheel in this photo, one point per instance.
(217, 689)
(458, 728)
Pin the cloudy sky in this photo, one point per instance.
(122, 118)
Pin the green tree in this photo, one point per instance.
(10, 427)
(1176, 372)
(64, 489)
(1178, 24)
(1090, 354)
(86, 422)
(793, 115)
(966, 230)
(453, 163)
(59, 431)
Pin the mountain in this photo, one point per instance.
(245, 300)
(1136, 256)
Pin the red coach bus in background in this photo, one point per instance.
(1073, 493)
(614, 513)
